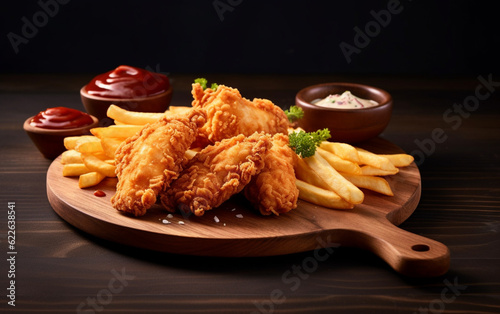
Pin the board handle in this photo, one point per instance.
(408, 253)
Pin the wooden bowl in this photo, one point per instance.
(98, 106)
(50, 142)
(345, 125)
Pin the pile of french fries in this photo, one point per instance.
(91, 158)
(332, 178)
(337, 172)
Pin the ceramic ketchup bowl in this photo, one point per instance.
(98, 106)
(128, 87)
(349, 125)
(50, 141)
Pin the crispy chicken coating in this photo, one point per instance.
(273, 190)
(229, 114)
(216, 173)
(149, 161)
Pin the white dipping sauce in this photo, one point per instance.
(344, 101)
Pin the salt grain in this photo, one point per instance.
(181, 222)
(170, 216)
(239, 216)
(165, 221)
(216, 219)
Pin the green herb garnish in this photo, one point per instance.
(203, 82)
(294, 113)
(305, 143)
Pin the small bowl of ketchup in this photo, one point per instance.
(48, 128)
(127, 87)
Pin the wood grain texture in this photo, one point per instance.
(370, 225)
(60, 267)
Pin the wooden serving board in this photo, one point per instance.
(235, 229)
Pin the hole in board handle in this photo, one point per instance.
(420, 248)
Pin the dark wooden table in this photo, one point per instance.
(59, 269)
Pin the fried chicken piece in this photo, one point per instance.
(229, 114)
(149, 161)
(216, 173)
(273, 190)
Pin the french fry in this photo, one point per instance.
(74, 170)
(373, 183)
(132, 117)
(90, 179)
(117, 122)
(374, 160)
(177, 109)
(190, 154)
(89, 146)
(399, 160)
(70, 142)
(110, 145)
(305, 173)
(321, 197)
(336, 182)
(372, 171)
(94, 163)
(71, 157)
(343, 150)
(121, 131)
(297, 129)
(338, 163)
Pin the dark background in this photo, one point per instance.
(432, 53)
(254, 36)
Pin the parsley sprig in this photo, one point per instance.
(305, 143)
(203, 82)
(294, 113)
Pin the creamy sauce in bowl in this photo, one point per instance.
(345, 100)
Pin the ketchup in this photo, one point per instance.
(99, 193)
(61, 118)
(126, 82)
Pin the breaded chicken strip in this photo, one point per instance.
(229, 114)
(216, 173)
(147, 162)
(273, 190)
